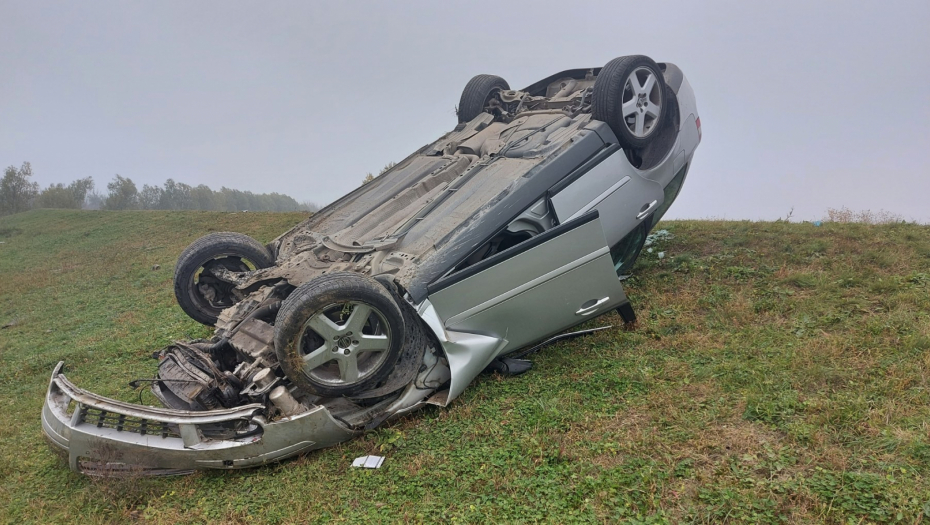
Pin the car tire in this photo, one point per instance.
(629, 95)
(201, 295)
(339, 335)
(478, 93)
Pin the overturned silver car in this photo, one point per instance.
(518, 224)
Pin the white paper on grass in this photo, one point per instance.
(368, 462)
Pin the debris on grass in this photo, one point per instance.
(368, 461)
(657, 236)
(654, 238)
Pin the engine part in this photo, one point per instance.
(285, 402)
(262, 381)
(186, 380)
(255, 340)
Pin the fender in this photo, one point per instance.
(468, 354)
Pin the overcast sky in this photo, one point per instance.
(803, 104)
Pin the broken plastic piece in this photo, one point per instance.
(656, 236)
(508, 367)
(368, 462)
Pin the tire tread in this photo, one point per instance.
(306, 299)
(199, 251)
(607, 97)
(476, 91)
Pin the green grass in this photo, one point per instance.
(778, 373)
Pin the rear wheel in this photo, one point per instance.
(629, 95)
(339, 335)
(200, 293)
(481, 94)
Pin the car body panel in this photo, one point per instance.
(615, 189)
(501, 300)
(467, 354)
(570, 272)
(174, 444)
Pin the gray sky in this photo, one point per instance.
(803, 104)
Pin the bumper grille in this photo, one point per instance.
(123, 423)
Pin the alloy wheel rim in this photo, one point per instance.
(343, 343)
(641, 103)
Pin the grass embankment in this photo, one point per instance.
(778, 373)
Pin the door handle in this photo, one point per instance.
(588, 310)
(646, 209)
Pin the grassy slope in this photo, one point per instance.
(779, 371)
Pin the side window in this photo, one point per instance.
(535, 220)
(625, 252)
(671, 193)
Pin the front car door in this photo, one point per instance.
(540, 287)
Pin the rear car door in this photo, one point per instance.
(540, 287)
(612, 186)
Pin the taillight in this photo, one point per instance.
(698, 123)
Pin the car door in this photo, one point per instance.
(537, 288)
(614, 188)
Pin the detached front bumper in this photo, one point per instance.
(103, 436)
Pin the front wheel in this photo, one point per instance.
(339, 334)
(199, 292)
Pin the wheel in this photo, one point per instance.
(629, 95)
(339, 335)
(199, 293)
(478, 94)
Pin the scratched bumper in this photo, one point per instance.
(103, 436)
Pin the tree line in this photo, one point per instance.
(19, 193)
